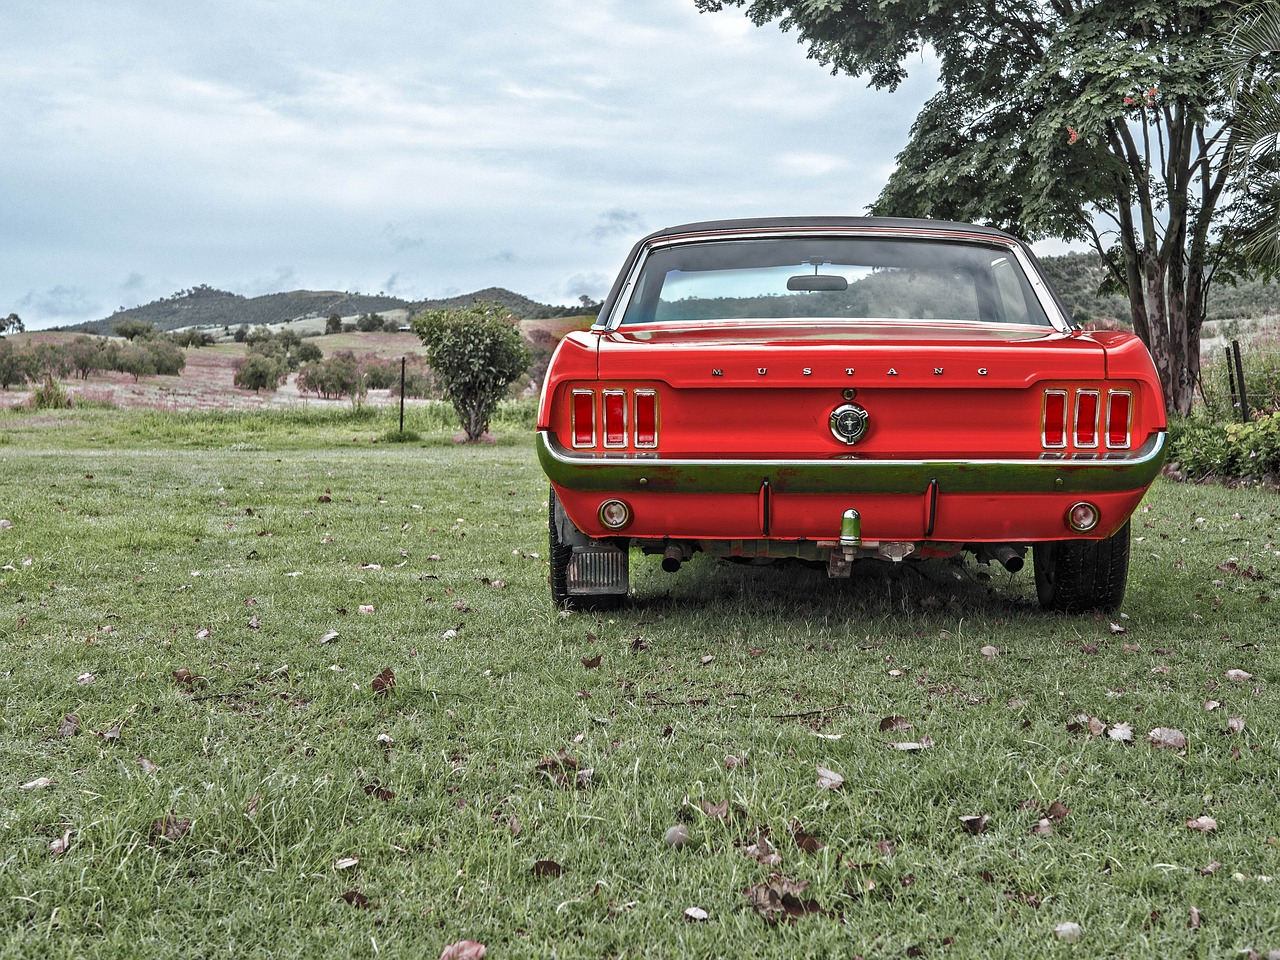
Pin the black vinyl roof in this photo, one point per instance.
(829, 223)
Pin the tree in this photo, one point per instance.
(1252, 61)
(257, 371)
(1054, 116)
(135, 359)
(333, 324)
(475, 352)
(133, 329)
(15, 365)
(11, 324)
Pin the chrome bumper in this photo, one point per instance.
(1104, 472)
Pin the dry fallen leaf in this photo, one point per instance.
(695, 913)
(676, 837)
(894, 723)
(330, 636)
(357, 900)
(69, 726)
(910, 746)
(1083, 722)
(365, 608)
(807, 842)
(345, 863)
(171, 827)
(731, 762)
(1235, 724)
(547, 868)
(1193, 920)
(1121, 732)
(779, 899)
(763, 852)
(148, 767)
(1167, 738)
(1057, 811)
(990, 652)
(1068, 932)
(384, 683)
(1212, 704)
(1240, 676)
(1203, 824)
(975, 823)
(716, 811)
(60, 845)
(707, 659)
(591, 662)
(829, 779)
(464, 950)
(1043, 827)
(85, 679)
(39, 783)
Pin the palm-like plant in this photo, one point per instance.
(1252, 60)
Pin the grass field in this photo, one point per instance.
(214, 605)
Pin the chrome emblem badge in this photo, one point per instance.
(849, 423)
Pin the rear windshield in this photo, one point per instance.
(841, 277)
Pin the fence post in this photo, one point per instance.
(402, 394)
(1245, 416)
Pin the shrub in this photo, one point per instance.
(257, 371)
(476, 352)
(1206, 448)
(50, 395)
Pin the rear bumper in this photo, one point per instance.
(631, 473)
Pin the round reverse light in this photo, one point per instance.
(615, 514)
(1082, 517)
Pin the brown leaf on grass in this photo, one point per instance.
(1203, 824)
(85, 679)
(170, 827)
(990, 652)
(184, 676)
(384, 683)
(324, 498)
(378, 791)
(583, 779)
(204, 633)
(1248, 573)
(464, 950)
(1167, 738)
(59, 845)
(1043, 827)
(974, 823)
(1239, 676)
(1211, 705)
(887, 848)
(716, 811)
(807, 842)
(1082, 722)
(149, 768)
(732, 762)
(1058, 811)
(638, 644)
(1209, 869)
(895, 723)
(707, 659)
(1117, 628)
(762, 852)
(780, 899)
(829, 779)
(1193, 919)
(547, 868)
(695, 914)
(1235, 724)
(110, 734)
(357, 899)
(69, 726)
(255, 623)
(591, 662)
(559, 768)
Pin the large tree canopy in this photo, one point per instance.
(1096, 120)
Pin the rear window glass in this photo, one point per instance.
(823, 277)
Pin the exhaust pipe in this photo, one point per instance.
(1010, 558)
(672, 557)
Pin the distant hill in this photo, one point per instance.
(205, 306)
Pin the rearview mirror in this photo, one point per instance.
(817, 281)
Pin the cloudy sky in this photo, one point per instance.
(424, 148)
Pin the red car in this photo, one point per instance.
(833, 389)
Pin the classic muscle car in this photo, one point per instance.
(835, 389)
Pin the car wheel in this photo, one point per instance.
(560, 553)
(1075, 576)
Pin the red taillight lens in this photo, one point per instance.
(584, 418)
(615, 418)
(1119, 412)
(1087, 418)
(646, 418)
(1055, 418)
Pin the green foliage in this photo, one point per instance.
(11, 324)
(192, 338)
(258, 371)
(475, 352)
(50, 395)
(342, 375)
(369, 323)
(333, 324)
(1206, 448)
(133, 329)
(1053, 116)
(15, 364)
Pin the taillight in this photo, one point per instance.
(1086, 418)
(1119, 412)
(646, 418)
(615, 418)
(584, 418)
(1055, 418)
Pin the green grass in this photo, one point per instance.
(131, 538)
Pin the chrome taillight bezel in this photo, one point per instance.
(574, 404)
(1127, 441)
(1046, 442)
(607, 428)
(1076, 434)
(649, 396)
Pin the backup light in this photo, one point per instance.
(1082, 517)
(615, 514)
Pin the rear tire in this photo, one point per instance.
(1077, 576)
(560, 553)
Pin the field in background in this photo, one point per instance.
(196, 612)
